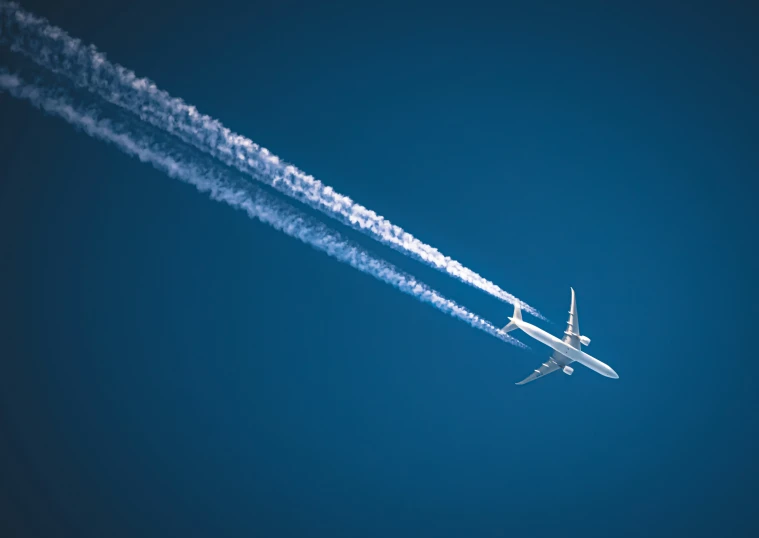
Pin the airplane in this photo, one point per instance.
(566, 351)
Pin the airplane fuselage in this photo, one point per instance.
(568, 351)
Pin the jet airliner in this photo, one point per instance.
(565, 351)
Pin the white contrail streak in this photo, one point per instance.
(54, 49)
(241, 195)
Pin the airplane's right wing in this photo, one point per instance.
(546, 368)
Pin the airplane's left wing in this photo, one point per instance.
(546, 368)
(571, 335)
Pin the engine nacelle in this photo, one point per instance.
(584, 340)
(568, 370)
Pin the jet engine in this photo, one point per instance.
(584, 340)
(568, 370)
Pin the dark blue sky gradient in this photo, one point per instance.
(171, 368)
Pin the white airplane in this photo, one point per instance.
(566, 351)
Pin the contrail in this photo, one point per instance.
(53, 49)
(222, 186)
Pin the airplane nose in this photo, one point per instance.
(607, 370)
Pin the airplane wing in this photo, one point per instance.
(546, 368)
(557, 360)
(573, 325)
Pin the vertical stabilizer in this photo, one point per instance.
(517, 316)
(517, 311)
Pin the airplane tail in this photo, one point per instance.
(517, 316)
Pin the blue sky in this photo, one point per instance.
(170, 366)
